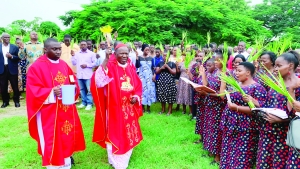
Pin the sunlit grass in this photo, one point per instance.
(168, 143)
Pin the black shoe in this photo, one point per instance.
(4, 105)
(17, 105)
(72, 161)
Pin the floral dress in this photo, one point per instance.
(212, 134)
(145, 74)
(240, 131)
(272, 149)
(184, 90)
(199, 100)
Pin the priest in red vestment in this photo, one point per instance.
(117, 90)
(56, 127)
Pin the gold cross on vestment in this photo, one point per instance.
(67, 127)
(60, 78)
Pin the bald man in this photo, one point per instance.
(241, 50)
(9, 70)
(30, 52)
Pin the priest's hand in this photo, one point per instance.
(83, 66)
(8, 55)
(57, 91)
(133, 100)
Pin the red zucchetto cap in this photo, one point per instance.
(120, 45)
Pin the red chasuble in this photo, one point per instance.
(61, 126)
(116, 119)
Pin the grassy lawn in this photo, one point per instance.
(168, 143)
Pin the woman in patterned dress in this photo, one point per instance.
(146, 74)
(267, 59)
(214, 107)
(184, 90)
(294, 157)
(236, 61)
(272, 149)
(201, 124)
(239, 126)
(176, 59)
(166, 86)
(194, 78)
(198, 100)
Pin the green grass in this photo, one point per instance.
(168, 143)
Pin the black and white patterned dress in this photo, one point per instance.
(166, 86)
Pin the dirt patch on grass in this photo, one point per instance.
(11, 110)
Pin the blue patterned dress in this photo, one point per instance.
(240, 131)
(272, 149)
(212, 135)
(146, 74)
(200, 101)
(294, 157)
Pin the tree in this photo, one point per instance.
(23, 25)
(35, 24)
(2, 30)
(13, 30)
(68, 17)
(48, 28)
(164, 21)
(278, 15)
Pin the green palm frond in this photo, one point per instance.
(235, 85)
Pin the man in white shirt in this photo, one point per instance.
(101, 53)
(9, 60)
(138, 48)
(132, 54)
(241, 50)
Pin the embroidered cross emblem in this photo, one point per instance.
(67, 127)
(60, 78)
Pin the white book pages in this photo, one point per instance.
(228, 97)
(274, 111)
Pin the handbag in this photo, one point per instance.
(293, 136)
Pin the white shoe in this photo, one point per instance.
(81, 106)
(88, 107)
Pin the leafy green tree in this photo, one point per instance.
(156, 21)
(48, 28)
(23, 25)
(2, 30)
(278, 15)
(14, 30)
(35, 24)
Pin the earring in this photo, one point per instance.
(289, 73)
(246, 78)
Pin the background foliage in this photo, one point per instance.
(155, 21)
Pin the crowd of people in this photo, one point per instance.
(132, 78)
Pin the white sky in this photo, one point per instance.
(48, 10)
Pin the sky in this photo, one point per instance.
(48, 10)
